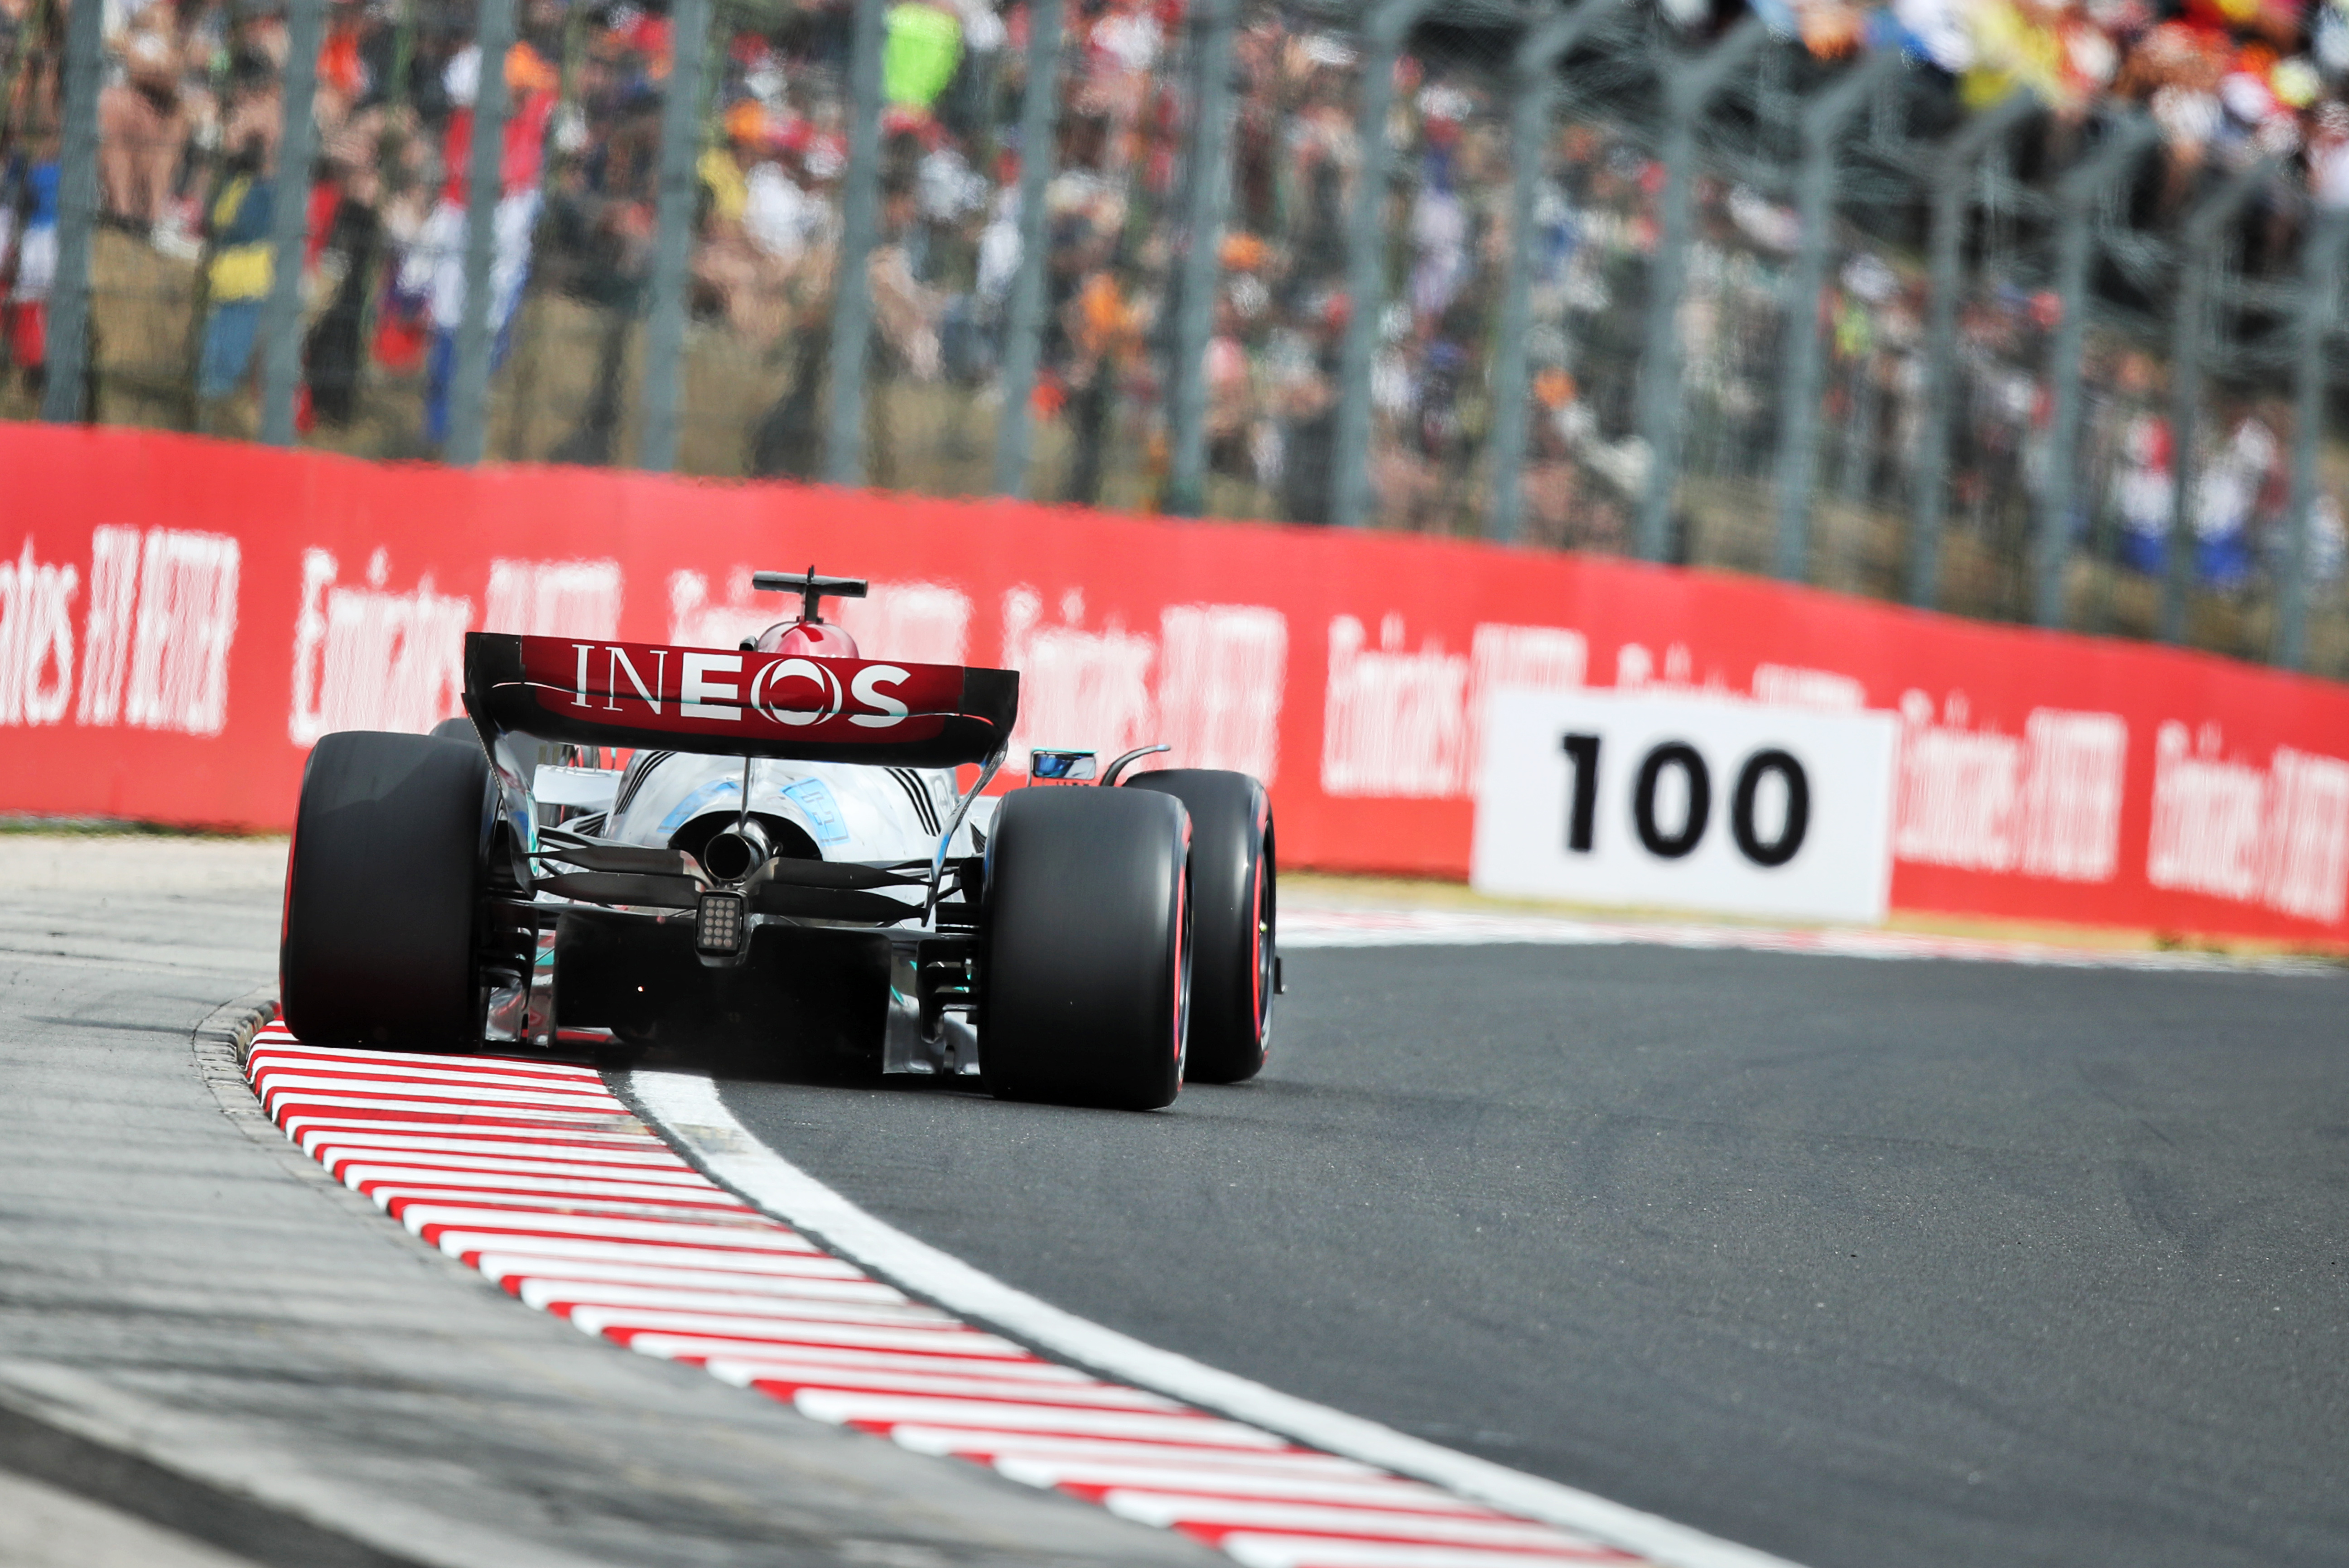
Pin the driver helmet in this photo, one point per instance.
(815, 638)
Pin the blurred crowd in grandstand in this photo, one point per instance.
(190, 121)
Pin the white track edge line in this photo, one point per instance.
(688, 1108)
(1303, 933)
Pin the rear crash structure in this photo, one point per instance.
(784, 844)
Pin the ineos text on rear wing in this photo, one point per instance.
(738, 703)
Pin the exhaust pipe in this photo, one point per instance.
(734, 853)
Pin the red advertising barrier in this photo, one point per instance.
(180, 618)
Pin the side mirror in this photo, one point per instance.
(1048, 764)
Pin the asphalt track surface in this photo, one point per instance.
(1856, 1262)
(1860, 1263)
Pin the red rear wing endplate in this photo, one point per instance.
(735, 703)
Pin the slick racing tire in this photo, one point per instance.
(1232, 909)
(457, 729)
(382, 886)
(1086, 958)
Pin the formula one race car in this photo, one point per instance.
(632, 844)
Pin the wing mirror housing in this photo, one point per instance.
(1050, 764)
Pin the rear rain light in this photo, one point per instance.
(718, 926)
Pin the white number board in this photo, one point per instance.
(1685, 803)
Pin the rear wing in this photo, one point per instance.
(738, 703)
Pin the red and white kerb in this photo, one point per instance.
(535, 1173)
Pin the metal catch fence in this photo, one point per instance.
(1769, 291)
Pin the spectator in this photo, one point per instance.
(747, 274)
(1104, 325)
(1230, 397)
(29, 259)
(2328, 543)
(350, 242)
(1308, 402)
(1548, 486)
(2328, 157)
(2145, 488)
(904, 310)
(143, 125)
(2229, 499)
(905, 315)
(241, 270)
(924, 47)
(438, 260)
(782, 216)
(995, 267)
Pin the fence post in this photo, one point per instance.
(1023, 322)
(860, 220)
(1210, 181)
(2320, 255)
(2077, 199)
(524, 395)
(2187, 328)
(1688, 88)
(65, 398)
(1798, 379)
(1946, 245)
(1349, 473)
(1534, 81)
(673, 242)
(281, 320)
(469, 386)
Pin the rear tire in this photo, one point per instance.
(383, 885)
(1233, 905)
(1086, 964)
